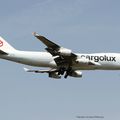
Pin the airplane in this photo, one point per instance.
(59, 60)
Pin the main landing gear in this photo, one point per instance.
(66, 71)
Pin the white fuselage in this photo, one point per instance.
(107, 61)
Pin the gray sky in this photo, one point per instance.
(84, 26)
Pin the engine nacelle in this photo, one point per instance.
(65, 52)
(87, 62)
(54, 75)
(82, 61)
(76, 73)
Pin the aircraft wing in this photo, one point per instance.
(51, 47)
(40, 71)
(47, 42)
(64, 55)
(53, 73)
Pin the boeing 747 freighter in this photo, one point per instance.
(59, 60)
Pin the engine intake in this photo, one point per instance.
(65, 52)
(76, 73)
(54, 75)
(82, 61)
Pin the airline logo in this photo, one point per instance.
(99, 58)
(1, 43)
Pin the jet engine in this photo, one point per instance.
(76, 73)
(65, 52)
(85, 62)
(54, 75)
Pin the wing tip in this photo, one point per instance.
(35, 34)
(26, 69)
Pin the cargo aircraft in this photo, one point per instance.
(59, 60)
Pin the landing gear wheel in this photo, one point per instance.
(61, 71)
(68, 73)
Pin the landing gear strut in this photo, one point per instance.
(61, 71)
(68, 72)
